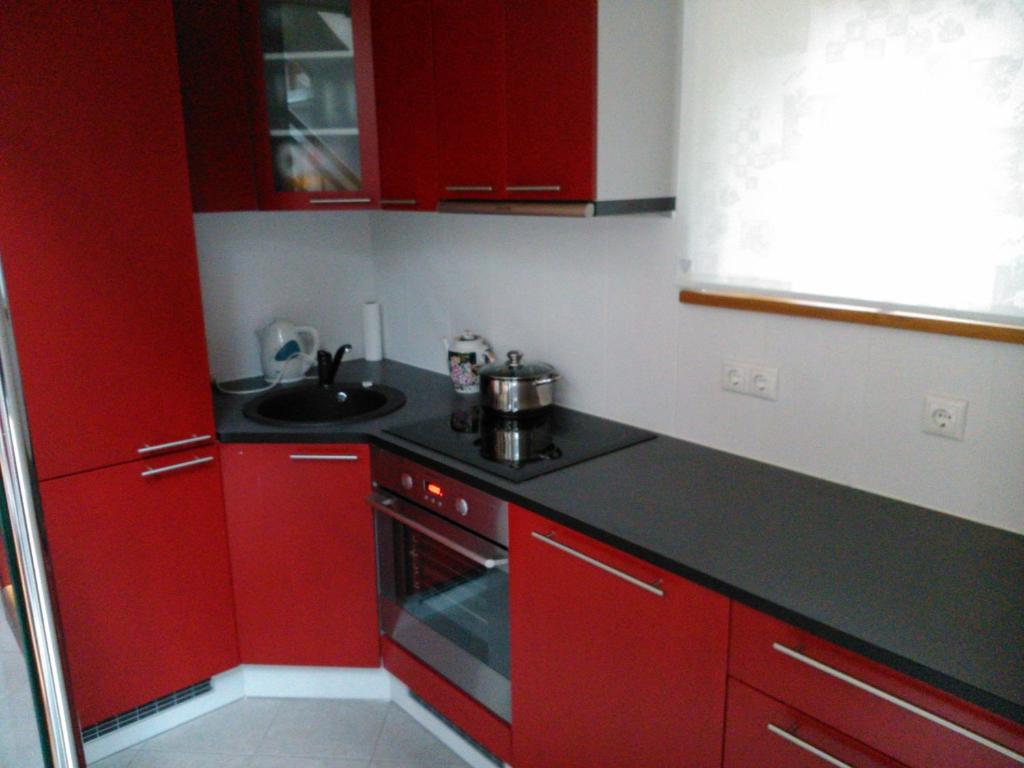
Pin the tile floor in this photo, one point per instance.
(19, 735)
(293, 733)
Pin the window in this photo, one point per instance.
(869, 151)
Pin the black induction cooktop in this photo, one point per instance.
(522, 448)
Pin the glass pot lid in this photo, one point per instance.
(516, 370)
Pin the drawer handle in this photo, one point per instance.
(535, 188)
(150, 472)
(807, 747)
(470, 188)
(175, 444)
(402, 201)
(341, 200)
(323, 457)
(549, 539)
(913, 708)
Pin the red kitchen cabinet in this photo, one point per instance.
(143, 581)
(766, 733)
(215, 100)
(875, 705)
(469, 90)
(311, 89)
(302, 554)
(551, 66)
(614, 662)
(96, 234)
(403, 66)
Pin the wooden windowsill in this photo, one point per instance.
(847, 313)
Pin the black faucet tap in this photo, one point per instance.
(326, 367)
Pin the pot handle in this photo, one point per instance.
(550, 379)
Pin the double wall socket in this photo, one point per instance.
(749, 379)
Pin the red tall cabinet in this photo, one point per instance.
(98, 251)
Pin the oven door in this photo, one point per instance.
(444, 598)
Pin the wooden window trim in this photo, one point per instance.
(849, 313)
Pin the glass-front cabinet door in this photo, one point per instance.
(314, 108)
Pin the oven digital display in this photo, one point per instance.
(434, 490)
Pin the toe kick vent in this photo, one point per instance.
(148, 709)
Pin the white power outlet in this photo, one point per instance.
(749, 379)
(945, 416)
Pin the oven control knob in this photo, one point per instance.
(407, 481)
(462, 507)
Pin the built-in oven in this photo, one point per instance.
(442, 559)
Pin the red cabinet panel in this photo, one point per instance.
(760, 731)
(758, 656)
(143, 579)
(96, 232)
(605, 672)
(403, 65)
(302, 553)
(552, 98)
(218, 127)
(469, 89)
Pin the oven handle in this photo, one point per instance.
(385, 505)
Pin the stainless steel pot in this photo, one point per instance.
(516, 387)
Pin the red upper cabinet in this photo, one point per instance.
(140, 563)
(97, 241)
(215, 99)
(403, 66)
(314, 116)
(614, 663)
(551, 84)
(469, 90)
(302, 553)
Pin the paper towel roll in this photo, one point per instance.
(372, 335)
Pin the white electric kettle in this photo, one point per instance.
(280, 342)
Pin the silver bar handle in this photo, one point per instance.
(323, 457)
(901, 703)
(175, 444)
(384, 506)
(150, 472)
(402, 201)
(535, 188)
(792, 739)
(549, 539)
(341, 200)
(470, 188)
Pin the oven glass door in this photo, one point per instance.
(444, 598)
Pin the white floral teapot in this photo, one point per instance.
(465, 357)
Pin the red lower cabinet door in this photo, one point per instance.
(615, 664)
(140, 562)
(302, 553)
(762, 732)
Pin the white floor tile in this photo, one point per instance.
(279, 761)
(403, 741)
(235, 729)
(143, 759)
(318, 728)
(119, 760)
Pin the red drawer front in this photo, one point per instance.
(752, 737)
(762, 654)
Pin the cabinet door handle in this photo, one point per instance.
(323, 457)
(792, 739)
(175, 444)
(402, 201)
(549, 539)
(901, 703)
(150, 472)
(341, 200)
(535, 188)
(470, 188)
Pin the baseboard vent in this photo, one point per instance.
(112, 724)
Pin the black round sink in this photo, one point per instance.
(312, 405)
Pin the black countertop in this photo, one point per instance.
(929, 594)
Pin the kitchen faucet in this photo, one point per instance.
(326, 367)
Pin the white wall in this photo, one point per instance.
(313, 268)
(596, 298)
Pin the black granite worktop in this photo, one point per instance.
(929, 594)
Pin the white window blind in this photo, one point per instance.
(861, 150)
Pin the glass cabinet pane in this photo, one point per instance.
(309, 71)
